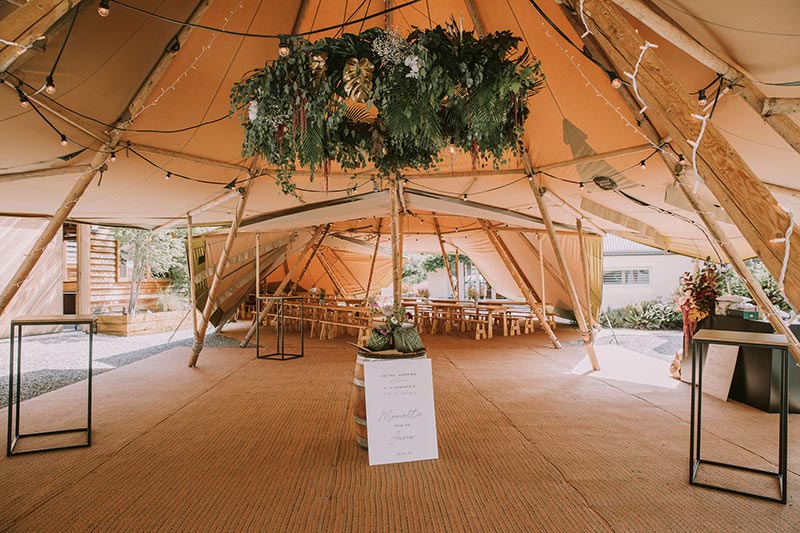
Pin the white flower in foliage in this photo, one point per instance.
(412, 62)
(252, 111)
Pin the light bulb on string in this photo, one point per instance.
(701, 98)
(643, 164)
(103, 9)
(64, 140)
(615, 81)
(168, 176)
(283, 46)
(50, 85)
(581, 186)
(113, 157)
(23, 100)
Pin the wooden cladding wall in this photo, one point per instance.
(109, 293)
(40, 294)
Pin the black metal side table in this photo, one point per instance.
(14, 434)
(280, 304)
(704, 337)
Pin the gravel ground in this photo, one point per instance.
(52, 361)
(59, 359)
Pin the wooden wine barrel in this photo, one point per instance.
(358, 398)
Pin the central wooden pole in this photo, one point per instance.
(374, 257)
(397, 242)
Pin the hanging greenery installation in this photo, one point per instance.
(395, 102)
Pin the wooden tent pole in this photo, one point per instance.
(444, 256)
(457, 295)
(45, 173)
(219, 271)
(258, 265)
(748, 203)
(755, 98)
(374, 258)
(585, 269)
(27, 23)
(186, 157)
(190, 257)
(586, 333)
(302, 260)
(397, 245)
(540, 238)
(337, 284)
(520, 281)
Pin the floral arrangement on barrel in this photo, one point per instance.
(398, 331)
(697, 297)
(381, 98)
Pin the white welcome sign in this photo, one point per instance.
(718, 370)
(400, 416)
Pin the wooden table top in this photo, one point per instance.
(47, 320)
(720, 336)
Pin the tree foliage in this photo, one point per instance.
(148, 251)
(434, 262)
(730, 281)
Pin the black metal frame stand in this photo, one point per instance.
(14, 434)
(696, 415)
(280, 353)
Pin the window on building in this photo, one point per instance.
(124, 266)
(627, 276)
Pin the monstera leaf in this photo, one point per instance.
(357, 77)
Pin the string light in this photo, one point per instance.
(615, 81)
(50, 85)
(583, 19)
(113, 157)
(103, 9)
(283, 46)
(701, 98)
(643, 164)
(643, 48)
(22, 48)
(695, 145)
(582, 186)
(185, 73)
(168, 175)
(23, 100)
(64, 140)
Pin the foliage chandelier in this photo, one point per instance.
(395, 102)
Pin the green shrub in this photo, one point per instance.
(650, 314)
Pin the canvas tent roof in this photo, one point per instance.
(577, 116)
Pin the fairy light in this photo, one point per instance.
(643, 164)
(615, 81)
(22, 47)
(64, 141)
(103, 8)
(702, 100)
(599, 94)
(634, 83)
(113, 157)
(583, 19)
(185, 73)
(695, 145)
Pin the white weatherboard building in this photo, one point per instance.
(633, 272)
